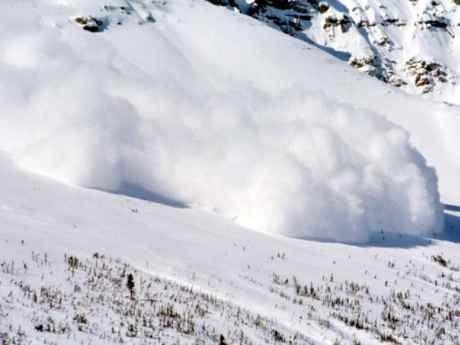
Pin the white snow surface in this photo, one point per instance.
(44, 219)
(200, 106)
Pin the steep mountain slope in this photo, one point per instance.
(409, 44)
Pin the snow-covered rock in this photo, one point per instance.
(379, 38)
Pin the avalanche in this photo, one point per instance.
(171, 108)
(167, 131)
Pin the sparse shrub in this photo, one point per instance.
(82, 322)
(222, 340)
(439, 259)
(278, 336)
(73, 263)
(130, 285)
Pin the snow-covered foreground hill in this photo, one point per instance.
(347, 286)
(197, 277)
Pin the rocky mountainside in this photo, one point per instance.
(411, 44)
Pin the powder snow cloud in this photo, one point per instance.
(296, 162)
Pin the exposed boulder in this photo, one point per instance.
(365, 63)
(323, 7)
(91, 24)
(426, 74)
(342, 20)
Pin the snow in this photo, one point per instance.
(177, 113)
(393, 32)
(43, 219)
(175, 105)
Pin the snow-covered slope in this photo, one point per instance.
(410, 44)
(353, 293)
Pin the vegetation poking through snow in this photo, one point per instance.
(398, 317)
(102, 300)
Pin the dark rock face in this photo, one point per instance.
(377, 26)
(435, 23)
(441, 24)
(344, 22)
(219, 2)
(323, 7)
(91, 24)
(281, 4)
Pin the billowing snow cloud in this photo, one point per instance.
(296, 163)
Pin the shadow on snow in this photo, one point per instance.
(139, 192)
(451, 233)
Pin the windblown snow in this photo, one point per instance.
(179, 101)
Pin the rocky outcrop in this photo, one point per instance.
(91, 24)
(343, 21)
(426, 74)
(367, 64)
(374, 36)
(110, 14)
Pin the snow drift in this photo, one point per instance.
(77, 107)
